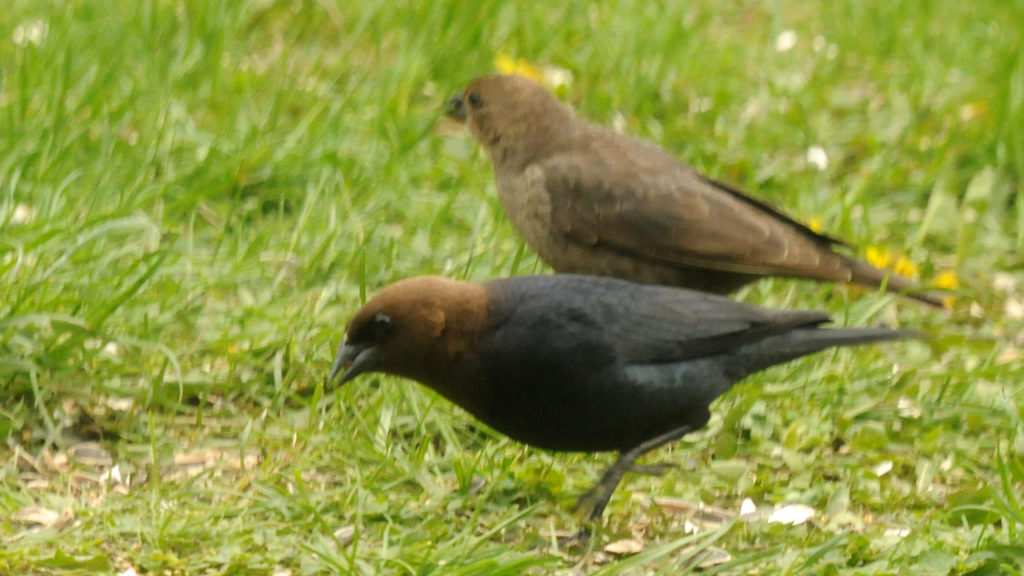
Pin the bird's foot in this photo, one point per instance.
(577, 540)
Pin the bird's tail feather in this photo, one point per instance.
(868, 275)
(796, 343)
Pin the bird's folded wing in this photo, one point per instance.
(670, 325)
(677, 217)
(637, 324)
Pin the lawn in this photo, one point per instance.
(195, 196)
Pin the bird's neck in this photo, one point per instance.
(530, 138)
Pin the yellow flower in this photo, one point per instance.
(816, 225)
(880, 257)
(519, 67)
(904, 267)
(946, 279)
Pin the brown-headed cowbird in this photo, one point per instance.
(579, 363)
(589, 200)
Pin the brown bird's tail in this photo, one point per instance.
(863, 273)
(796, 343)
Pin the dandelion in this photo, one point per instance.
(905, 267)
(878, 257)
(551, 76)
(946, 279)
(816, 225)
(881, 257)
(517, 66)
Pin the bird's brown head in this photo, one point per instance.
(510, 114)
(416, 328)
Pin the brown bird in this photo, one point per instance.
(589, 200)
(579, 363)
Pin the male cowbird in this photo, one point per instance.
(579, 363)
(592, 201)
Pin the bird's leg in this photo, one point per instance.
(598, 496)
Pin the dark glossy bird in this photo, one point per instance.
(589, 200)
(579, 363)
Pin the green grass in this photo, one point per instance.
(195, 196)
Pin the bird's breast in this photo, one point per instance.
(527, 204)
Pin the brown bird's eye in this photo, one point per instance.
(475, 100)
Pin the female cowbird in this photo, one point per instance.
(592, 201)
(579, 363)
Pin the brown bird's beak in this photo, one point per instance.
(455, 108)
(352, 361)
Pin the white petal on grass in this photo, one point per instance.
(113, 475)
(23, 214)
(785, 41)
(31, 32)
(908, 408)
(1004, 282)
(791, 514)
(556, 77)
(747, 507)
(882, 468)
(1014, 309)
(817, 157)
(129, 572)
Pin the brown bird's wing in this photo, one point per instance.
(649, 206)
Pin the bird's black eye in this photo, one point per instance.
(373, 331)
(380, 327)
(475, 100)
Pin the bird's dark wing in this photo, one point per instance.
(662, 324)
(644, 324)
(638, 201)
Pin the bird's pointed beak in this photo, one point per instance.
(455, 108)
(352, 361)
